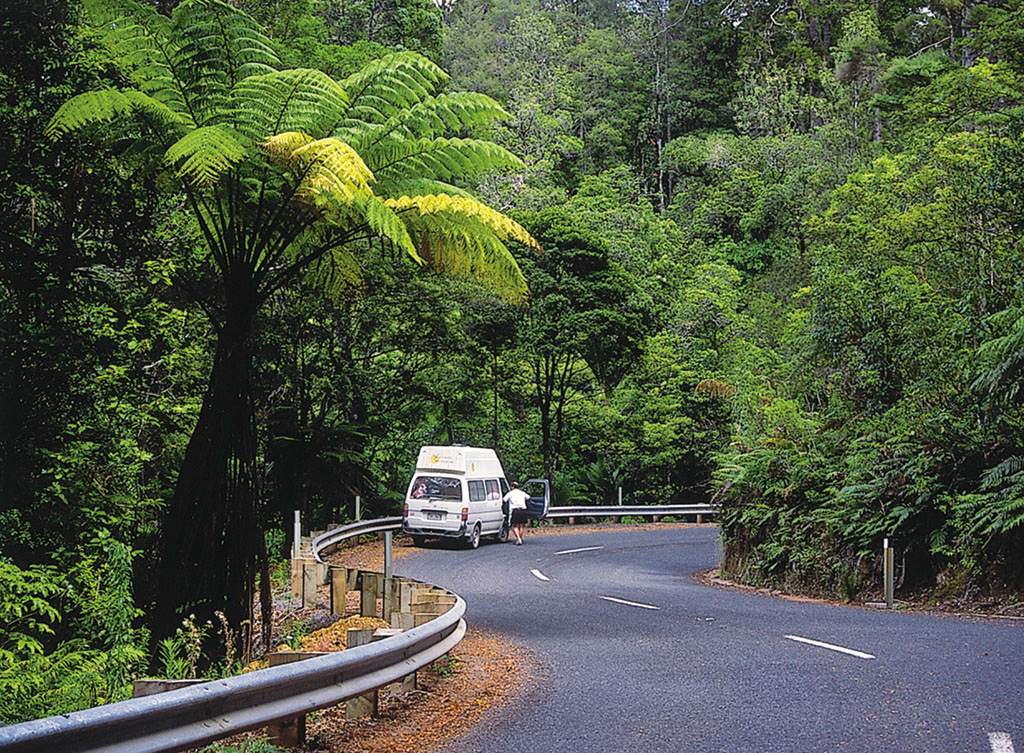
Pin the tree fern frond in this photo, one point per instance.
(220, 46)
(415, 186)
(108, 105)
(466, 250)
(336, 272)
(462, 236)
(207, 152)
(141, 40)
(445, 113)
(438, 159)
(302, 100)
(330, 172)
(333, 167)
(456, 207)
(392, 83)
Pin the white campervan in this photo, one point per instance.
(456, 492)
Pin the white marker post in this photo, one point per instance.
(387, 555)
(357, 507)
(887, 568)
(297, 536)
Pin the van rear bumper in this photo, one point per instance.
(459, 533)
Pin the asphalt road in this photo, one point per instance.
(637, 655)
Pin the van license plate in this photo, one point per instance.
(435, 516)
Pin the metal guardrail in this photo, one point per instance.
(615, 511)
(200, 714)
(328, 541)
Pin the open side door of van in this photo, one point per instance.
(540, 500)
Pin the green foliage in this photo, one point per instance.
(26, 611)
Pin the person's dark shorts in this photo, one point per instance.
(519, 516)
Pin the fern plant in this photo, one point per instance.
(287, 173)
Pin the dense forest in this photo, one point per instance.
(768, 254)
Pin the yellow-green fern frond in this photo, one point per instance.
(329, 172)
(206, 153)
(302, 100)
(218, 46)
(281, 147)
(461, 236)
(501, 225)
(332, 167)
(109, 105)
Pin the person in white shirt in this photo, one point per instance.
(516, 499)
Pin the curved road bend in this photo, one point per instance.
(636, 655)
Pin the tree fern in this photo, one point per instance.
(287, 174)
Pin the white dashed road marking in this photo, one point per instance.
(831, 647)
(584, 549)
(540, 575)
(1000, 742)
(629, 603)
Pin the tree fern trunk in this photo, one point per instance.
(210, 549)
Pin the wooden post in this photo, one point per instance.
(339, 589)
(368, 595)
(366, 704)
(290, 733)
(309, 584)
(408, 682)
(391, 597)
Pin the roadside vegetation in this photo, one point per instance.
(770, 257)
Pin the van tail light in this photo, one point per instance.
(465, 514)
(405, 512)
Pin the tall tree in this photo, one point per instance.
(288, 174)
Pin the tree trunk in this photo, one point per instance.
(210, 544)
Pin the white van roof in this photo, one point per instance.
(474, 461)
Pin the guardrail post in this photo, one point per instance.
(408, 682)
(309, 584)
(887, 569)
(290, 733)
(368, 594)
(339, 589)
(364, 705)
(700, 518)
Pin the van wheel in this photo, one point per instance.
(419, 540)
(503, 533)
(473, 541)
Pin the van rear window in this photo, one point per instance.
(476, 491)
(443, 487)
